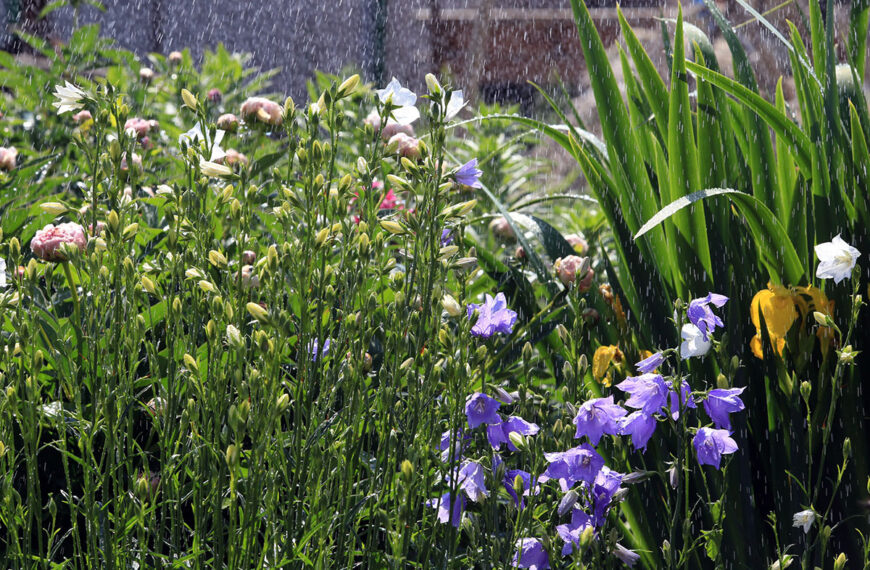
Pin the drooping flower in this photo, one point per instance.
(49, 242)
(402, 99)
(628, 557)
(777, 306)
(262, 110)
(570, 533)
(676, 401)
(502, 229)
(497, 434)
(70, 98)
(481, 409)
(510, 478)
(468, 174)
(701, 315)
(836, 259)
(530, 554)
(804, 519)
(694, 342)
(493, 317)
(8, 158)
(721, 402)
(445, 512)
(471, 481)
(597, 417)
(712, 444)
(640, 427)
(233, 158)
(648, 392)
(650, 363)
(581, 463)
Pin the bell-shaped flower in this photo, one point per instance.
(836, 259)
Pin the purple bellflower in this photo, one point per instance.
(640, 427)
(481, 409)
(472, 482)
(607, 483)
(712, 444)
(530, 554)
(650, 363)
(459, 444)
(701, 315)
(676, 401)
(446, 237)
(498, 434)
(628, 557)
(581, 463)
(597, 417)
(468, 174)
(445, 513)
(570, 532)
(721, 402)
(648, 392)
(493, 317)
(313, 349)
(526, 477)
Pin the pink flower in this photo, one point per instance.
(82, 116)
(228, 122)
(48, 242)
(137, 162)
(141, 126)
(405, 146)
(175, 57)
(262, 110)
(567, 269)
(215, 95)
(233, 157)
(390, 201)
(8, 157)
(578, 242)
(502, 229)
(393, 128)
(146, 74)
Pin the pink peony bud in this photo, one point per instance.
(141, 126)
(228, 122)
(8, 157)
(393, 128)
(47, 243)
(262, 110)
(215, 95)
(175, 57)
(82, 116)
(146, 74)
(578, 242)
(567, 269)
(405, 146)
(248, 257)
(137, 162)
(234, 157)
(502, 229)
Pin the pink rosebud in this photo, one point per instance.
(215, 95)
(82, 116)
(175, 57)
(578, 242)
(393, 128)
(405, 146)
(567, 269)
(228, 122)
(137, 162)
(146, 74)
(262, 110)
(248, 257)
(8, 158)
(502, 229)
(250, 280)
(48, 242)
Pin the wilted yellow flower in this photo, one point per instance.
(602, 359)
(781, 308)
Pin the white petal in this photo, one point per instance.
(456, 103)
(406, 115)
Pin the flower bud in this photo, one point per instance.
(847, 449)
(234, 337)
(840, 561)
(53, 208)
(586, 537)
(258, 312)
(567, 503)
(348, 86)
(232, 456)
(190, 363)
(149, 286)
(189, 99)
(282, 403)
(518, 440)
(451, 305)
(433, 85)
(407, 470)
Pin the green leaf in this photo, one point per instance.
(799, 143)
(777, 251)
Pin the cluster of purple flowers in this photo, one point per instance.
(493, 316)
(481, 410)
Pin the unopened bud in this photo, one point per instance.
(258, 312)
(586, 537)
(806, 389)
(840, 562)
(451, 305)
(433, 85)
(567, 503)
(517, 440)
(232, 456)
(348, 86)
(847, 449)
(189, 99)
(407, 470)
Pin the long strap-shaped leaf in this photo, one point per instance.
(777, 252)
(783, 127)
